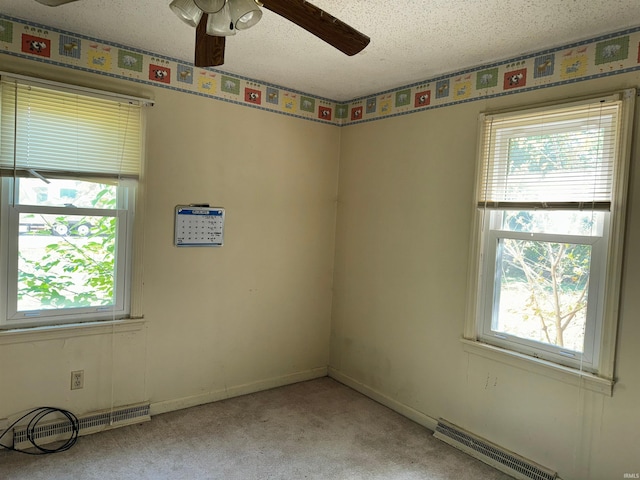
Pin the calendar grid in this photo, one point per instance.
(197, 226)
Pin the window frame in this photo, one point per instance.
(129, 236)
(10, 317)
(587, 360)
(600, 377)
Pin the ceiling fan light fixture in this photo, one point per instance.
(219, 24)
(210, 6)
(245, 13)
(54, 3)
(187, 11)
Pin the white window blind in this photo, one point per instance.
(563, 158)
(61, 132)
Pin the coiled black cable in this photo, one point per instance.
(37, 415)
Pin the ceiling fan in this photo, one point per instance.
(215, 20)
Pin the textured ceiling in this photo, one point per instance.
(411, 41)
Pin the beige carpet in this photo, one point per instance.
(312, 430)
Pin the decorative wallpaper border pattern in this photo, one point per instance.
(79, 52)
(611, 54)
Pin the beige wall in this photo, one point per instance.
(259, 307)
(402, 245)
(219, 321)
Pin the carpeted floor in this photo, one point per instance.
(312, 430)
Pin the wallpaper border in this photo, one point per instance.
(606, 55)
(611, 54)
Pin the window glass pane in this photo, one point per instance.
(542, 291)
(60, 193)
(66, 261)
(568, 222)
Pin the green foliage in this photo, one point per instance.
(72, 270)
(565, 265)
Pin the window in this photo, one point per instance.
(69, 162)
(550, 216)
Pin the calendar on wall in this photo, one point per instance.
(199, 226)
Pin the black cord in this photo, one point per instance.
(38, 414)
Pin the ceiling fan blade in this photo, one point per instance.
(209, 49)
(54, 3)
(324, 26)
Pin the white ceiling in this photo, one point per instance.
(411, 41)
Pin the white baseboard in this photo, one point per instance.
(235, 391)
(404, 410)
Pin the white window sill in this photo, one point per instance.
(567, 375)
(53, 332)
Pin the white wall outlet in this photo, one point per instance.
(77, 379)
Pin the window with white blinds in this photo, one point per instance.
(70, 161)
(550, 206)
(559, 158)
(58, 131)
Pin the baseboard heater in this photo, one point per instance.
(491, 454)
(56, 430)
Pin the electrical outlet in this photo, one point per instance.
(77, 379)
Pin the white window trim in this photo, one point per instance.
(69, 330)
(604, 380)
(568, 375)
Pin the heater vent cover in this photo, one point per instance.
(48, 432)
(492, 454)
